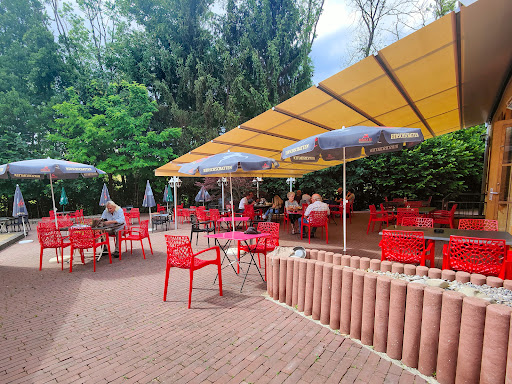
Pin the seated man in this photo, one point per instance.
(316, 205)
(245, 200)
(338, 196)
(113, 214)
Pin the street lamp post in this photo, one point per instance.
(175, 182)
(257, 181)
(290, 181)
(221, 183)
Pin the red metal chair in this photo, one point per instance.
(406, 212)
(135, 233)
(378, 217)
(419, 222)
(316, 219)
(135, 214)
(475, 255)
(264, 244)
(478, 224)
(180, 255)
(445, 217)
(50, 237)
(84, 238)
(406, 247)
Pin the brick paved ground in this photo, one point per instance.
(112, 326)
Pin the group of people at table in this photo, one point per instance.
(294, 205)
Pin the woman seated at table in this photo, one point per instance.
(277, 204)
(292, 206)
(113, 214)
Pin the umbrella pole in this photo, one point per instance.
(175, 206)
(232, 211)
(53, 201)
(344, 203)
(150, 222)
(222, 183)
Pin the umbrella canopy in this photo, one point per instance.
(351, 143)
(63, 198)
(229, 162)
(105, 196)
(203, 196)
(149, 198)
(167, 195)
(18, 207)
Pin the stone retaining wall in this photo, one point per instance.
(460, 339)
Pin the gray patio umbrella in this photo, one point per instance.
(203, 196)
(167, 197)
(19, 208)
(48, 168)
(149, 200)
(351, 143)
(229, 162)
(105, 196)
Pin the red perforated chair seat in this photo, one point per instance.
(50, 237)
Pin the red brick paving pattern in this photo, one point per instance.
(113, 327)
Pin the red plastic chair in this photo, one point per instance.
(183, 215)
(135, 233)
(249, 212)
(406, 212)
(180, 255)
(475, 255)
(378, 217)
(316, 219)
(415, 204)
(478, 224)
(338, 212)
(160, 208)
(264, 244)
(214, 216)
(406, 247)
(135, 214)
(419, 222)
(286, 221)
(84, 238)
(445, 217)
(50, 237)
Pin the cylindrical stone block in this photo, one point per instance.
(269, 276)
(448, 274)
(282, 279)
(346, 300)
(434, 273)
(289, 280)
(471, 340)
(356, 310)
(336, 258)
(495, 282)
(431, 320)
(462, 276)
(329, 256)
(422, 270)
(396, 318)
(295, 286)
(397, 268)
(494, 351)
(386, 266)
(308, 253)
(375, 264)
(275, 277)
(449, 336)
(507, 284)
(317, 289)
(478, 279)
(364, 263)
(301, 297)
(410, 269)
(337, 275)
(325, 311)
(345, 260)
(313, 254)
(380, 329)
(367, 321)
(508, 375)
(321, 255)
(354, 262)
(412, 324)
(310, 281)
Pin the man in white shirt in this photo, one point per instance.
(316, 205)
(245, 201)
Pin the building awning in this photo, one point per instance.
(446, 76)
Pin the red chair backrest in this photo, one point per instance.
(134, 212)
(48, 235)
(402, 246)
(420, 222)
(273, 229)
(214, 214)
(477, 255)
(201, 215)
(478, 224)
(414, 204)
(81, 237)
(406, 212)
(373, 210)
(249, 211)
(317, 218)
(63, 222)
(143, 228)
(179, 251)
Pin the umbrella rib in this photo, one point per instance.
(303, 119)
(245, 146)
(294, 139)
